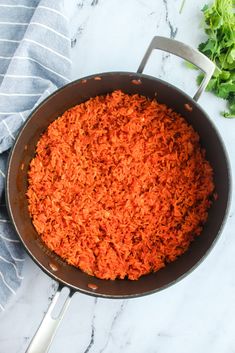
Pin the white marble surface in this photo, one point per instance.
(198, 314)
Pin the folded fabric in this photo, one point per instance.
(34, 61)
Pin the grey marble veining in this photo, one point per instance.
(198, 314)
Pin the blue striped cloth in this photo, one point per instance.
(34, 61)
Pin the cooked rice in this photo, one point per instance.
(119, 186)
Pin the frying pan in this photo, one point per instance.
(24, 149)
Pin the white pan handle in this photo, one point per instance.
(185, 52)
(43, 337)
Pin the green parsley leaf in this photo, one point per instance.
(219, 25)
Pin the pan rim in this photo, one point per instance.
(123, 296)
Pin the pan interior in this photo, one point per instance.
(24, 149)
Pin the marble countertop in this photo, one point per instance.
(197, 315)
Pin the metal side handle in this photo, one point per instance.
(43, 337)
(185, 52)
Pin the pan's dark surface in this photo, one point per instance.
(24, 149)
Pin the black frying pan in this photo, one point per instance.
(78, 92)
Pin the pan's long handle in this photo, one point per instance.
(184, 51)
(43, 337)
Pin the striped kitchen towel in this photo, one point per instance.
(34, 61)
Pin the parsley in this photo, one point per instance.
(219, 25)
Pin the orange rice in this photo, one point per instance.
(119, 186)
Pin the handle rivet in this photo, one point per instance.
(136, 82)
(188, 107)
(53, 267)
(92, 286)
